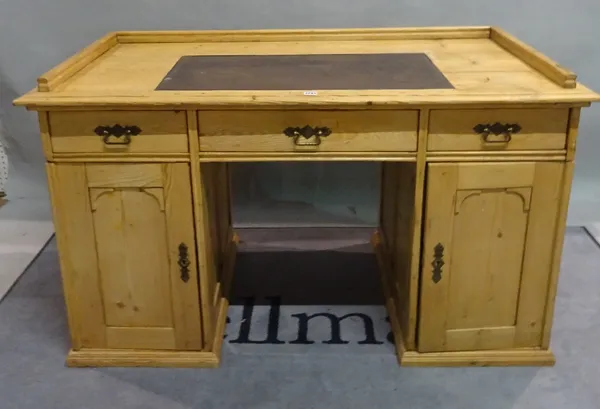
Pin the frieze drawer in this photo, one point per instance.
(323, 131)
(118, 132)
(501, 129)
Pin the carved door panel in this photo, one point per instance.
(488, 246)
(126, 239)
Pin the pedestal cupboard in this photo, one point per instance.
(476, 133)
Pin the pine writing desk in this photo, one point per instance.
(476, 132)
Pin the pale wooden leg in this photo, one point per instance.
(205, 268)
(402, 289)
(394, 245)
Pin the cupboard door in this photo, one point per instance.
(488, 244)
(127, 249)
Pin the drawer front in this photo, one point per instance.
(498, 129)
(118, 132)
(322, 131)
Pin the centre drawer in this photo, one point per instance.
(498, 129)
(322, 131)
(118, 132)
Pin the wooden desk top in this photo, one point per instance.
(484, 66)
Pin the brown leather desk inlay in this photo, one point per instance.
(304, 72)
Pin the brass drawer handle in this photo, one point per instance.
(307, 135)
(184, 262)
(437, 263)
(497, 129)
(117, 131)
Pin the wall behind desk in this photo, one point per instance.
(37, 34)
